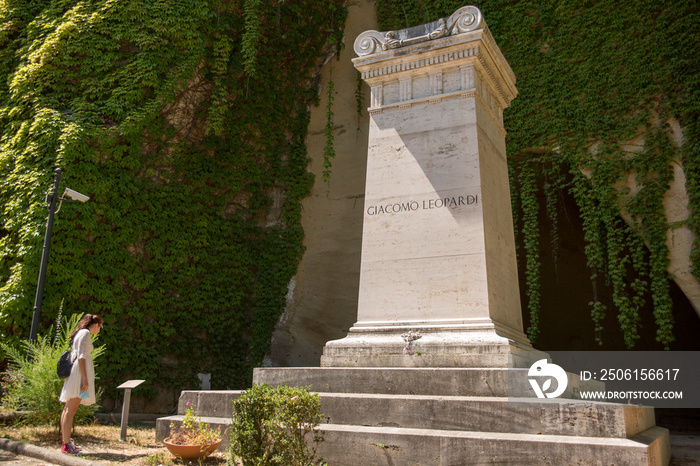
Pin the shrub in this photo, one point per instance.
(30, 382)
(193, 431)
(270, 426)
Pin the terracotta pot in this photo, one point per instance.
(191, 452)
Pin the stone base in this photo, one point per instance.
(451, 416)
(436, 347)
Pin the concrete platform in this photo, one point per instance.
(442, 416)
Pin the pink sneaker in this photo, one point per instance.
(69, 449)
(76, 447)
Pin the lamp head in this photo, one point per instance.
(75, 195)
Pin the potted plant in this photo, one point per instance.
(194, 439)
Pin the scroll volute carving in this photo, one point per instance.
(467, 18)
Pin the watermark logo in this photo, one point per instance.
(660, 379)
(542, 369)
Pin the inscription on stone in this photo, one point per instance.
(452, 202)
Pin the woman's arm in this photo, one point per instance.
(81, 347)
(83, 375)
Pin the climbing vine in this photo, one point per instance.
(185, 122)
(328, 148)
(336, 45)
(594, 79)
(529, 205)
(359, 99)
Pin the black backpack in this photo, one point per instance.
(65, 364)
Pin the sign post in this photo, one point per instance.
(127, 386)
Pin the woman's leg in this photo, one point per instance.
(69, 410)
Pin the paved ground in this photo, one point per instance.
(685, 449)
(20, 453)
(10, 459)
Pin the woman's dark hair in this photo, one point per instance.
(86, 321)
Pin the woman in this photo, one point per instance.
(79, 387)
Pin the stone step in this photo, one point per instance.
(213, 403)
(350, 445)
(485, 414)
(488, 414)
(353, 445)
(493, 382)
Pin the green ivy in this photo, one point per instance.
(185, 122)
(359, 99)
(592, 75)
(530, 207)
(328, 148)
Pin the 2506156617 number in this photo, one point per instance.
(638, 374)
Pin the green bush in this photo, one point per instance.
(30, 382)
(270, 426)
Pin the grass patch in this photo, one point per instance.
(101, 442)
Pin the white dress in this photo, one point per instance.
(82, 349)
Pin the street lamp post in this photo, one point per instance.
(36, 316)
(51, 200)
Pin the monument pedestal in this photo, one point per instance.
(438, 250)
(458, 347)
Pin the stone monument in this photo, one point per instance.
(438, 250)
(432, 373)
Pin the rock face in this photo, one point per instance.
(322, 299)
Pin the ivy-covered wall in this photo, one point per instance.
(593, 75)
(184, 121)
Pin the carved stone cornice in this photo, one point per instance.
(463, 20)
(452, 57)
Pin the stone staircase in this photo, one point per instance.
(452, 416)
